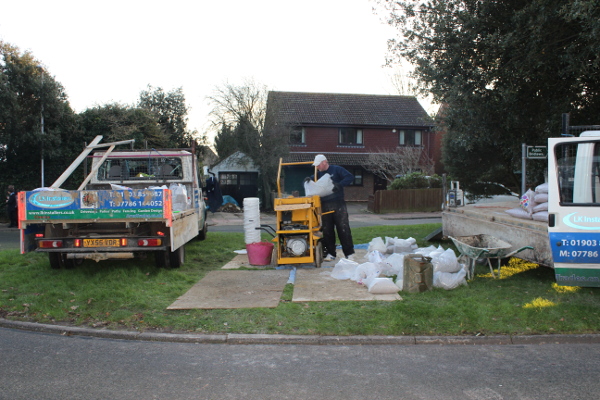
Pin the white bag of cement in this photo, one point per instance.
(435, 255)
(377, 244)
(179, 195)
(375, 257)
(365, 271)
(344, 269)
(447, 262)
(322, 187)
(425, 251)
(449, 280)
(382, 286)
(395, 264)
(402, 246)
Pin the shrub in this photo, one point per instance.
(416, 180)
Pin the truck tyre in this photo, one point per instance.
(161, 258)
(68, 263)
(177, 257)
(168, 259)
(202, 233)
(55, 260)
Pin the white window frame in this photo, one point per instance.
(417, 136)
(302, 131)
(359, 137)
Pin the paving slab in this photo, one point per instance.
(235, 289)
(318, 285)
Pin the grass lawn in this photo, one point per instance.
(134, 295)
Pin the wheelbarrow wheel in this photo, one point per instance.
(319, 254)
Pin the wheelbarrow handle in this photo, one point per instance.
(518, 251)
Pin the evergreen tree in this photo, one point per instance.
(507, 70)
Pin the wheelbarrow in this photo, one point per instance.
(484, 246)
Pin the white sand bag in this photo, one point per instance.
(344, 269)
(395, 264)
(382, 286)
(377, 244)
(365, 271)
(322, 187)
(447, 262)
(449, 280)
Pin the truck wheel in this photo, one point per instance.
(177, 257)
(68, 263)
(168, 259)
(55, 260)
(202, 233)
(161, 258)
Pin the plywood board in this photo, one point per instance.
(318, 285)
(234, 289)
(241, 260)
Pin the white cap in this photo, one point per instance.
(319, 158)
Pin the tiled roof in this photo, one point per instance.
(333, 158)
(302, 108)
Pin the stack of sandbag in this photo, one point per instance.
(448, 273)
(367, 274)
(393, 245)
(540, 210)
(534, 205)
(376, 273)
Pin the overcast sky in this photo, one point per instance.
(109, 51)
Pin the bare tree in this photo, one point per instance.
(402, 81)
(238, 115)
(404, 160)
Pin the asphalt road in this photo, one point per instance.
(44, 366)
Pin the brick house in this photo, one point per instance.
(347, 128)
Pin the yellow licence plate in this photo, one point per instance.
(101, 243)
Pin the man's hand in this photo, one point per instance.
(307, 179)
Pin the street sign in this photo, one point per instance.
(537, 152)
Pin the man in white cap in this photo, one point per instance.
(338, 219)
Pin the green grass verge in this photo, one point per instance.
(135, 294)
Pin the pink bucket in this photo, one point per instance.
(259, 253)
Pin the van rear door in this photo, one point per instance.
(574, 208)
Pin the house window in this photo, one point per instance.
(298, 135)
(410, 138)
(350, 136)
(358, 176)
(228, 179)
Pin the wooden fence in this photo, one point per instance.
(406, 200)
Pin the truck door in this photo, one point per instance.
(574, 208)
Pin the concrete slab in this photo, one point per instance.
(241, 260)
(234, 289)
(318, 285)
